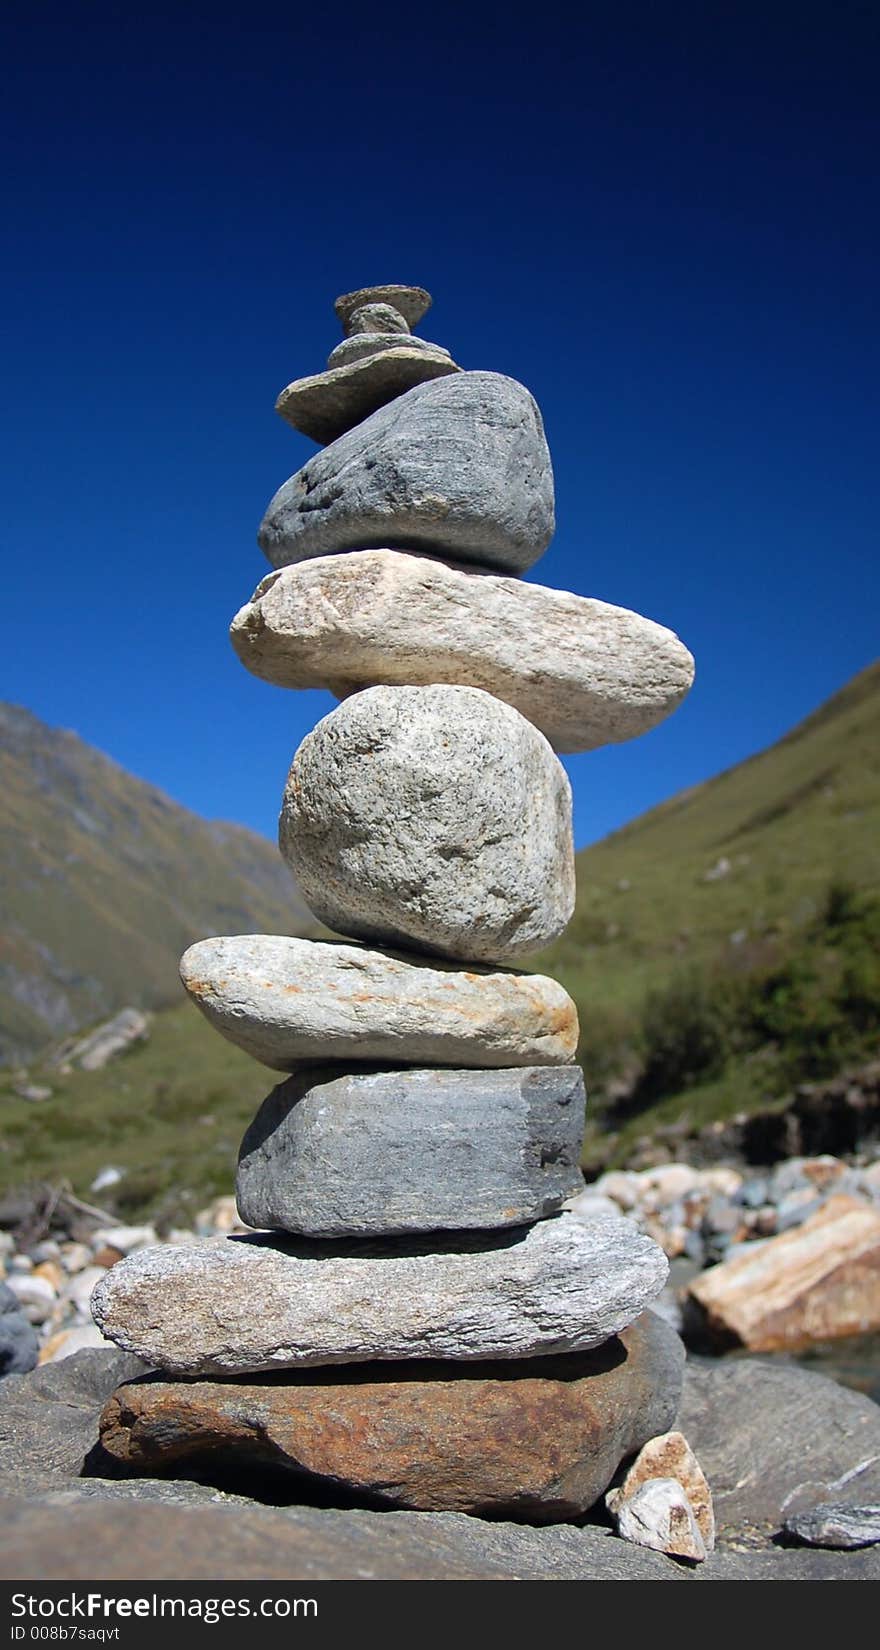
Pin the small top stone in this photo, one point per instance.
(412, 302)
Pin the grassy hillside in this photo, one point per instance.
(725, 946)
(103, 883)
(753, 887)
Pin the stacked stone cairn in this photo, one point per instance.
(418, 1321)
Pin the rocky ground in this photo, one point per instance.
(773, 1440)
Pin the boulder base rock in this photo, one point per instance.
(586, 674)
(335, 1153)
(815, 1283)
(288, 1002)
(459, 467)
(537, 1439)
(233, 1305)
(436, 817)
(774, 1440)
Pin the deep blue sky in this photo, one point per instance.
(662, 219)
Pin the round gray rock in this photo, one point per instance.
(232, 1305)
(459, 467)
(585, 673)
(332, 1153)
(432, 816)
(289, 1001)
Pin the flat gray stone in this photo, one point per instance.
(362, 344)
(774, 1440)
(328, 404)
(432, 817)
(233, 1305)
(289, 1001)
(333, 1153)
(459, 467)
(585, 673)
(835, 1526)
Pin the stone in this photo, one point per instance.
(19, 1344)
(773, 1440)
(333, 1153)
(458, 467)
(49, 1417)
(328, 404)
(432, 817)
(289, 1001)
(585, 673)
(56, 1523)
(669, 1455)
(829, 1525)
(411, 303)
(254, 1303)
(65, 1342)
(114, 1037)
(815, 1283)
(659, 1515)
(536, 1439)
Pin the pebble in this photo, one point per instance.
(832, 1525)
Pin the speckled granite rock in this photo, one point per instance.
(432, 817)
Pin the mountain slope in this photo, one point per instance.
(727, 877)
(104, 881)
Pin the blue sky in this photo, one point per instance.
(662, 219)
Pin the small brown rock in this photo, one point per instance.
(669, 1455)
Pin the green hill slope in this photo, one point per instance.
(756, 885)
(104, 881)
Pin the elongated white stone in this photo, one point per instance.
(233, 1305)
(289, 1001)
(585, 673)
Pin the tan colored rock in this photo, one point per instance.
(538, 1438)
(660, 1516)
(583, 672)
(815, 1283)
(288, 1002)
(669, 1455)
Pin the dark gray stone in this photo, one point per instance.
(458, 467)
(774, 1440)
(333, 1152)
(830, 1525)
(19, 1343)
(49, 1417)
